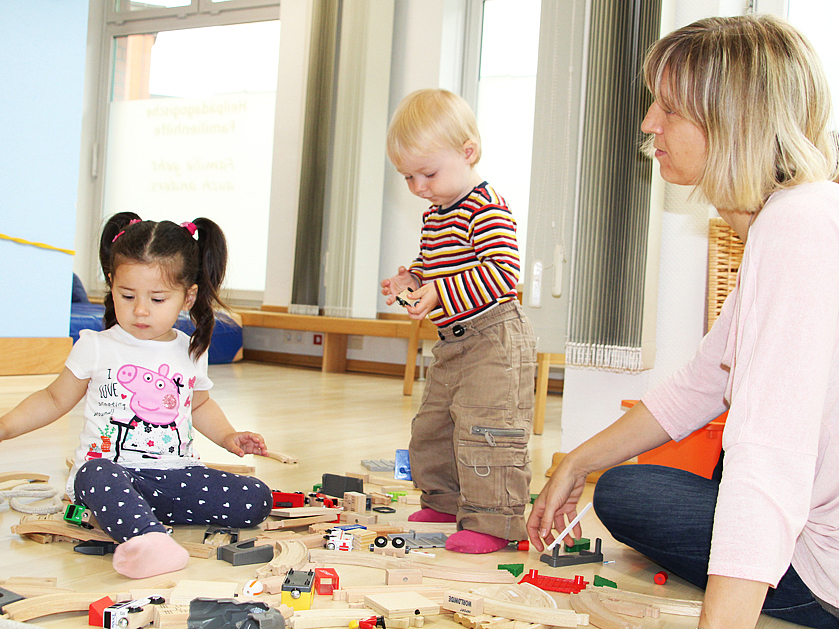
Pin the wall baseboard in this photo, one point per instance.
(31, 356)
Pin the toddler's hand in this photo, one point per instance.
(396, 284)
(428, 301)
(242, 443)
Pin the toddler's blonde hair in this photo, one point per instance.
(430, 120)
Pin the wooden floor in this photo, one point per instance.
(330, 422)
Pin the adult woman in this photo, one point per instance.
(742, 112)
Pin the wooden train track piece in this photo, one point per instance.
(200, 551)
(288, 555)
(434, 593)
(535, 615)
(674, 606)
(589, 603)
(32, 586)
(628, 608)
(431, 571)
(282, 458)
(321, 618)
(52, 525)
(48, 604)
(401, 604)
(310, 540)
(296, 522)
(242, 470)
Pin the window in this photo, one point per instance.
(817, 19)
(185, 125)
(190, 133)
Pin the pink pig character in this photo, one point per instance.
(155, 401)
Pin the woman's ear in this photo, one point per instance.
(191, 294)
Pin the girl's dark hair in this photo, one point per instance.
(185, 261)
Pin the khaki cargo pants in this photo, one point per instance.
(469, 439)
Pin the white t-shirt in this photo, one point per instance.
(773, 357)
(138, 405)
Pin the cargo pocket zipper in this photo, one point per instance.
(491, 433)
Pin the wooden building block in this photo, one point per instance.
(395, 576)
(349, 517)
(166, 616)
(463, 603)
(401, 604)
(355, 501)
(378, 498)
(290, 523)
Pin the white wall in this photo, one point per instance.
(424, 55)
(43, 48)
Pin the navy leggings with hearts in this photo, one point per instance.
(130, 502)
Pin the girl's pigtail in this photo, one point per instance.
(212, 248)
(114, 226)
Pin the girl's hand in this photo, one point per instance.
(396, 284)
(557, 501)
(242, 443)
(428, 301)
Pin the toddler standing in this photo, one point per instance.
(468, 448)
(145, 386)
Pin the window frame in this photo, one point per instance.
(106, 25)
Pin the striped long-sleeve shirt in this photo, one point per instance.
(471, 254)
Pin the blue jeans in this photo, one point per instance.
(668, 515)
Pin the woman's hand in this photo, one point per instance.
(242, 443)
(556, 503)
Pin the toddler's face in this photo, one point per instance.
(443, 177)
(146, 304)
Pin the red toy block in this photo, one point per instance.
(95, 611)
(523, 545)
(284, 499)
(326, 580)
(555, 584)
(660, 577)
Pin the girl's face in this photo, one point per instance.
(680, 145)
(146, 304)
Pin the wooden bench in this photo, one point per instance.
(335, 331)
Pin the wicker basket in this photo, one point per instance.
(725, 252)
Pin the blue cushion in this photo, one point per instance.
(224, 345)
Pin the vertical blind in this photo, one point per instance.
(609, 262)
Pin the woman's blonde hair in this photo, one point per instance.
(756, 88)
(430, 120)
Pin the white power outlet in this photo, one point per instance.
(536, 286)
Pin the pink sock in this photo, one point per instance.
(474, 543)
(148, 555)
(430, 515)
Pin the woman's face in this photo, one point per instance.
(679, 144)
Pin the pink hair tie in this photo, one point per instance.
(191, 228)
(130, 223)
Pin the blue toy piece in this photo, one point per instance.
(402, 465)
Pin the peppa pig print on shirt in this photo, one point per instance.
(156, 403)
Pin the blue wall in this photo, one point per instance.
(41, 81)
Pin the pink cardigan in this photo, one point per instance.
(772, 358)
